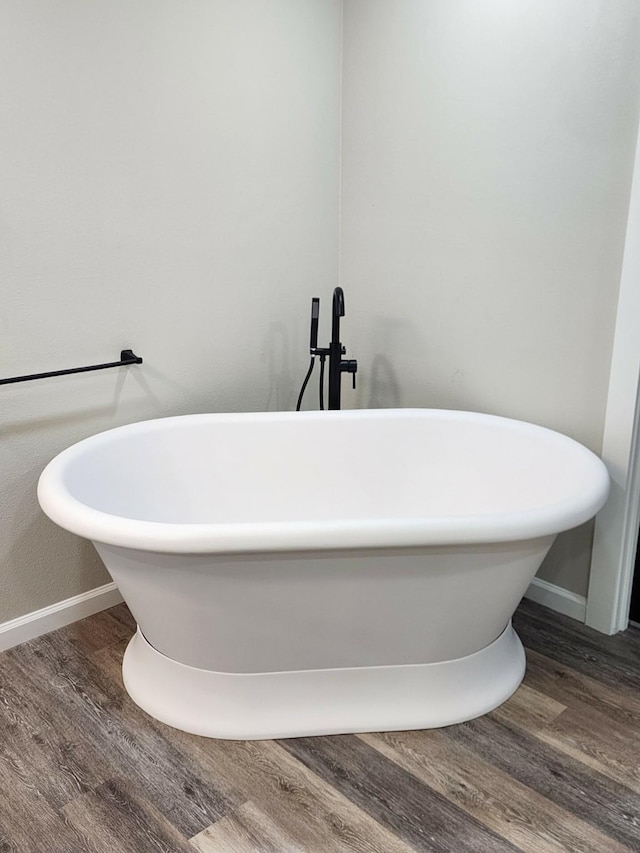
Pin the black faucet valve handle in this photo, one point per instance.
(350, 365)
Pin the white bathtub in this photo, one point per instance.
(321, 572)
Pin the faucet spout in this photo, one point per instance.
(337, 312)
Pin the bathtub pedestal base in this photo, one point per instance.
(252, 706)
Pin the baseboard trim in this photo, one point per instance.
(40, 622)
(557, 598)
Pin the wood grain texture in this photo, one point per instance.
(530, 709)
(418, 814)
(250, 828)
(122, 743)
(562, 779)
(611, 660)
(119, 819)
(530, 821)
(577, 690)
(555, 769)
(244, 831)
(606, 745)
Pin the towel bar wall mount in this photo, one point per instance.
(127, 357)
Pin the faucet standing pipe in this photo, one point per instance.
(335, 349)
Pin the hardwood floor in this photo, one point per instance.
(557, 768)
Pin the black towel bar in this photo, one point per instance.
(127, 356)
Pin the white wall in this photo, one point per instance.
(168, 182)
(487, 159)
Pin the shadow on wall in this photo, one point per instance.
(51, 423)
(59, 392)
(380, 377)
(384, 387)
(276, 348)
(431, 378)
(565, 563)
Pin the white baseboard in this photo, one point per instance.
(58, 615)
(557, 598)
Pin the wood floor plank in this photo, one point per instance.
(615, 661)
(625, 644)
(121, 737)
(247, 830)
(304, 808)
(608, 746)
(36, 731)
(100, 630)
(122, 821)
(314, 813)
(31, 760)
(108, 661)
(122, 613)
(420, 816)
(530, 709)
(28, 824)
(578, 690)
(607, 805)
(532, 823)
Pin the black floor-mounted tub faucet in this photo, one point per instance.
(337, 364)
(335, 351)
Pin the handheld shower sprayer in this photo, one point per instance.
(315, 314)
(313, 346)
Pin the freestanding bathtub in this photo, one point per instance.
(323, 572)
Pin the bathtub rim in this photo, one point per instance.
(331, 534)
